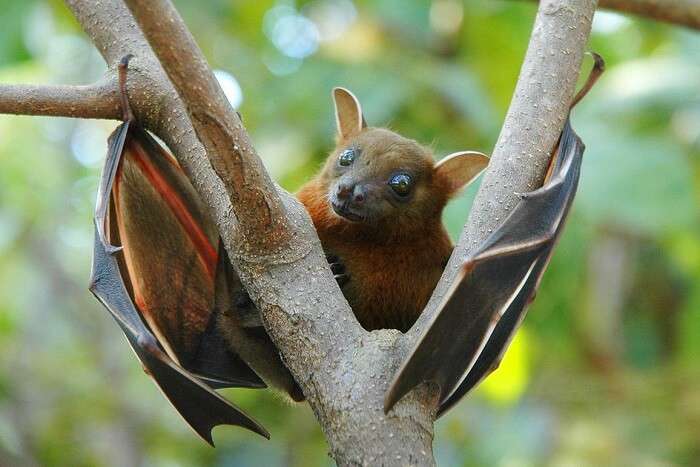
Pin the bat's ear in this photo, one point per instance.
(460, 168)
(348, 113)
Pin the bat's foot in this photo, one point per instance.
(338, 270)
(242, 300)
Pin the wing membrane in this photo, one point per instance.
(159, 286)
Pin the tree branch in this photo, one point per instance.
(532, 126)
(681, 12)
(98, 100)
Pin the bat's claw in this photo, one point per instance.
(111, 249)
(342, 279)
(331, 258)
(338, 270)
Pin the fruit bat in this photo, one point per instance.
(160, 270)
(485, 304)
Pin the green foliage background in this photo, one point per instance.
(605, 370)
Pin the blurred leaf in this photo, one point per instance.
(12, 47)
(637, 182)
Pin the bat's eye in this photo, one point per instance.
(401, 184)
(347, 157)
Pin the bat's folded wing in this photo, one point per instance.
(199, 405)
(485, 304)
(158, 282)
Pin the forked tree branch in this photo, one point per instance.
(302, 306)
(343, 370)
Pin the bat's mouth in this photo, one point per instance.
(345, 211)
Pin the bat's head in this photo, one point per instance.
(381, 179)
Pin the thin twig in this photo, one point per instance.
(680, 12)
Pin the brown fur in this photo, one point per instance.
(394, 257)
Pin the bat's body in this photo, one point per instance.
(377, 206)
(389, 282)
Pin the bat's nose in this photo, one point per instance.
(354, 193)
(344, 191)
